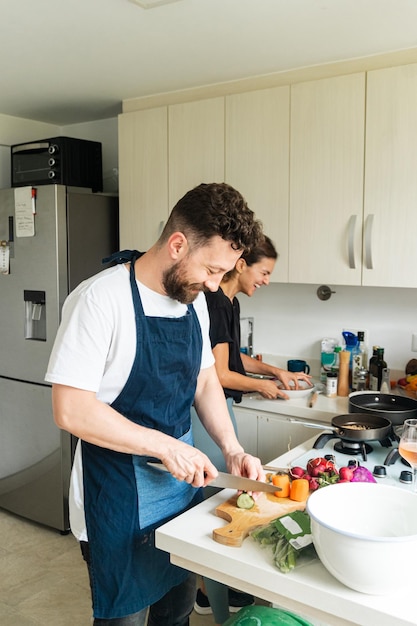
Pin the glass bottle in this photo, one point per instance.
(385, 381)
(375, 370)
(372, 361)
(359, 359)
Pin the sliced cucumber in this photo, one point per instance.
(245, 501)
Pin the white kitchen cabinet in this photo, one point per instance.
(277, 435)
(326, 180)
(143, 176)
(268, 435)
(163, 153)
(390, 248)
(196, 145)
(257, 161)
(247, 425)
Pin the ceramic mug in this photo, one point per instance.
(298, 365)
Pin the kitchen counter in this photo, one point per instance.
(323, 410)
(309, 590)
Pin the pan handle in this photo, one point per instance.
(320, 425)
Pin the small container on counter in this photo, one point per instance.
(362, 384)
(331, 384)
(343, 379)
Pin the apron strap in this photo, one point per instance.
(123, 256)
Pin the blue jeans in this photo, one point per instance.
(172, 610)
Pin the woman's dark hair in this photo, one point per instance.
(265, 249)
(214, 209)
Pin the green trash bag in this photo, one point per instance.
(265, 616)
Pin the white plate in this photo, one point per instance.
(304, 390)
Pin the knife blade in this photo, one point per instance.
(230, 481)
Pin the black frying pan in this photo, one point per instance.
(362, 427)
(358, 427)
(393, 407)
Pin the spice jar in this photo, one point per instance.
(331, 384)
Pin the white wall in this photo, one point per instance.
(106, 132)
(290, 320)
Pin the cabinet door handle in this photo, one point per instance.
(351, 241)
(368, 241)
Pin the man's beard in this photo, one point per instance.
(177, 288)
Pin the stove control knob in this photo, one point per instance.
(406, 477)
(379, 471)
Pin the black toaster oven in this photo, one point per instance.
(59, 160)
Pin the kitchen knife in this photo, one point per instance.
(230, 481)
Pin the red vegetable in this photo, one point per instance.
(346, 474)
(362, 475)
(297, 472)
(319, 465)
(313, 484)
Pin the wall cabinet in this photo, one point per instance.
(143, 176)
(326, 180)
(337, 198)
(196, 145)
(390, 248)
(163, 153)
(257, 161)
(268, 435)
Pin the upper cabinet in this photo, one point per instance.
(196, 145)
(326, 180)
(337, 196)
(163, 153)
(143, 176)
(257, 161)
(390, 248)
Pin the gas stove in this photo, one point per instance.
(379, 457)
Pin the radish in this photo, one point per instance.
(297, 472)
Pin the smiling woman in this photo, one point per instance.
(252, 270)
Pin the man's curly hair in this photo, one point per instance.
(212, 209)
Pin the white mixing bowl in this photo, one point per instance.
(365, 534)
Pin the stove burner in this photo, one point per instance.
(353, 447)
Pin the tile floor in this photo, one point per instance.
(43, 579)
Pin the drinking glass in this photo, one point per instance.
(408, 446)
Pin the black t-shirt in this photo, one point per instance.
(225, 328)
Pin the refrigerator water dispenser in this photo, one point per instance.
(35, 315)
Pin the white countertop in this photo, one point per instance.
(323, 410)
(309, 590)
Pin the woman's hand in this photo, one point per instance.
(286, 377)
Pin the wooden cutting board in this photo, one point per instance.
(242, 521)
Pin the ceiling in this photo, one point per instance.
(70, 61)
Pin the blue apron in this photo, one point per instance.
(124, 499)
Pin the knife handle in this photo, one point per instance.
(312, 399)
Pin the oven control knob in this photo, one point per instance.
(379, 471)
(406, 477)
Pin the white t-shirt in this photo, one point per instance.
(96, 345)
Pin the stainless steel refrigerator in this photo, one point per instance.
(48, 245)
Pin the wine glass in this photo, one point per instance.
(408, 446)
